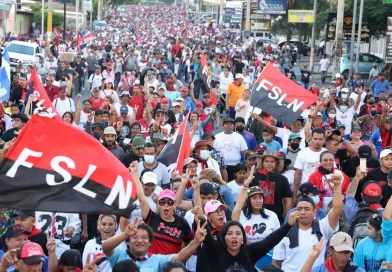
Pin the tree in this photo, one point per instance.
(375, 14)
(57, 18)
(282, 27)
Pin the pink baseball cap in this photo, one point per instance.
(212, 206)
(167, 193)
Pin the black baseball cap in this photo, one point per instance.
(228, 120)
(208, 134)
(207, 188)
(71, 257)
(308, 188)
(24, 214)
(15, 230)
(364, 151)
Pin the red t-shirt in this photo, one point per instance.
(137, 100)
(52, 92)
(96, 105)
(145, 127)
(384, 138)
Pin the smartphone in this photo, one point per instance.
(362, 165)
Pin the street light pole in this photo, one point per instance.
(77, 18)
(42, 21)
(65, 18)
(338, 37)
(353, 38)
(359, 36)
(247, 23)
(312, 50)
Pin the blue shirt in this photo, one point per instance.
(322, 268)
(376, 140)
(369, 255)
(274, 145)
(379, 87)
(154, 263)
(12, 267)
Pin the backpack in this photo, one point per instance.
(359, 225)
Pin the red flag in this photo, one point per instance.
(56, 32)
(204, 74)
(178, 148)
(45, 171)
(213, 98)
(279, 96)
(42, 101)
(85, 38)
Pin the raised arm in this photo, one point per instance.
(264, 123)
(78, 109)
(337, 201)
(358, 100)
(242, 197)
(144, 206)
(185, 205)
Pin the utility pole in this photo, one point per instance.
(42, 21)
(49, 30)
(65, 18)
(91, 15)
(77, 18)
(99, 10)
(353, 37)
(312, 50)
(83, 14)
(359, 36)
(338, 37)
(247, 23)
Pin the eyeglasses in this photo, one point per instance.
(166, 202)
(219, 211)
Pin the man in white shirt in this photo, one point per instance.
(52, 65)
(324, 65)
(231, 144)
(308, 159)
(63, 103)
(124, 100)
(95, 80)
(293, 251)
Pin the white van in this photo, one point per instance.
(28, 53)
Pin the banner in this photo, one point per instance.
(88, 5)
(177, 148)
(300, 16)
(271, 6)
(48, 172)
(5, 76)
(279, 96)
(204, 74)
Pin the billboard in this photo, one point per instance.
(300, 16)
(271, 6)
(347, 25)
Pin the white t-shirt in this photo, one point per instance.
(62, 106)
(96, 252)
(257, 227)
(354, 96)
(324, 64)
(117, 106)
(95, 80)
(225, 81)
(307, 161)
(231, 146)
(345, 118)
(109, 93)
(294, 258)
(235, 189)
(289, 174)
(284, 134)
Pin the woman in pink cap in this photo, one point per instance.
(108, 92)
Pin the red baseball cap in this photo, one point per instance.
(372, 193)
(164, 100)
(30, 253)
(199, 104)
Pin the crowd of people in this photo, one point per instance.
(260, 195)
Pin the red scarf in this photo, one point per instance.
(34, 232)
(216, 230)
(329, 265)
(203, 163)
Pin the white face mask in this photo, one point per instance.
(204, 154)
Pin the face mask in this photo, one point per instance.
(373, 113)
(165, 67)
(204, 154)
(343, 108)
(149, 158)
(294, 146)
(332, 115)
(240, 129)
(344, 96)
(371, 102)
(316, 199)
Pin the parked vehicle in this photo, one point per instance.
(365, 63)
(27, 53)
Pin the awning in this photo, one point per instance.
(4, 7)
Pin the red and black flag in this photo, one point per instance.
(183, 28)
(54, 166)
(178, 148)
(279, 96)
(41, 101)
(204, 74)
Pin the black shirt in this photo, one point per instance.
(60, 73)
(350, 166)
(18, 94)
(386, 195)
(9, 135)
(275, 188)
(305, 76)
(79, 68)
(130, 157)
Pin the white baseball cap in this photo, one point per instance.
(150, 177)
(237, 76)
(385, 153)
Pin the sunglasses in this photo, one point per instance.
(166, 202)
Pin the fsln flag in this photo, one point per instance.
(204, 74)
(5, 76)
(46, 171)
(279, 96)
(178, 148)
(41, 101)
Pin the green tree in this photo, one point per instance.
(282, 27)
(375, 14)
(57, 18)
